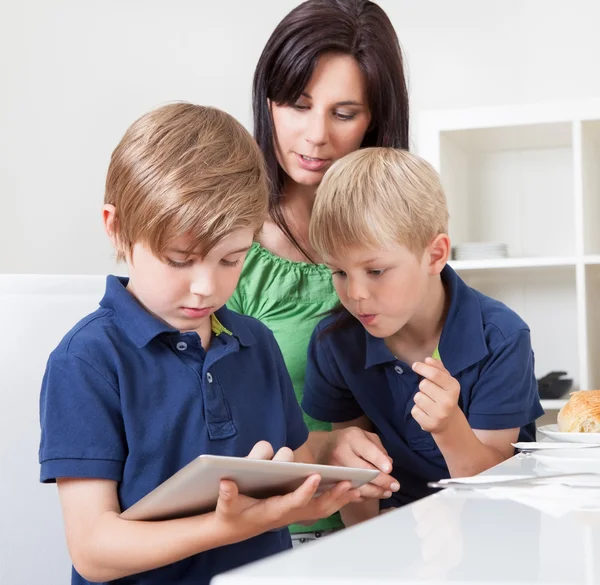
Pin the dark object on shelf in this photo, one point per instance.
(553, 385)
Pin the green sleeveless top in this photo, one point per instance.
(290, 298)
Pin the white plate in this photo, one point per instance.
(571, 460)
(552, 432)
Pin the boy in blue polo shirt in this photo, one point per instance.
(442, 373)
(162, 372)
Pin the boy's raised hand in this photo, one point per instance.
(247, 517)
(436, 403)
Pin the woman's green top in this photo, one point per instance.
(290, 298)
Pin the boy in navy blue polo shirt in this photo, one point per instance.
(442, 373)
(162, 372)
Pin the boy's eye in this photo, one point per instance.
(338, 273)
(175, 264)
(230, 262)
(376, 272)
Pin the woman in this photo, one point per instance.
(330, 80)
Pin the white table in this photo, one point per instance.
(451, 537)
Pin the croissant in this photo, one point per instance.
(581, 414)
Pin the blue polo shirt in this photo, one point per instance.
(484, 345)
(128, 398)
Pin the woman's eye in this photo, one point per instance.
(345, 117)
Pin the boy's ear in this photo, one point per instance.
(111, 227)
(109, 219)
(439, 253)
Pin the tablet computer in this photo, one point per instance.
(194, 489)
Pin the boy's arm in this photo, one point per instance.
(352, 513)
(104, 547)
(504, 399)
(357, 512)
(350, 444)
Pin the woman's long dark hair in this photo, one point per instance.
(359, 28)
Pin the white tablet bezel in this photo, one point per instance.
(195, 488)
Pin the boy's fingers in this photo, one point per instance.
(370, 452)
(429, 389)
(425, 403)
(228, 489)
(284, 454)
(370, 491)
(436, 364)
(302, 495)
(419, 415)
(262, 450)
(440, 377)
(228, 492)
(337, 497)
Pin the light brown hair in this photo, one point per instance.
(377, 197)
(185, 170)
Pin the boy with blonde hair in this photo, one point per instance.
(442, 373)
(163, 372)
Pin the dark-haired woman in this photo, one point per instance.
(330, 80)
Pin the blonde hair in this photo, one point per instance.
(377, 197)
(185, 170)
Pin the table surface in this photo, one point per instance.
(450, 537)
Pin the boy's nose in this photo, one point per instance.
(356, 291)
(202, 286)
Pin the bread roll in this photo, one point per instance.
(581, 414)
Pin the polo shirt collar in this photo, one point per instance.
(377, 352)
(142, 327)
(226, 322)
(462, 342)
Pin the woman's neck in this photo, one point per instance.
(296, 207)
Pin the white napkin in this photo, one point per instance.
(552, 499)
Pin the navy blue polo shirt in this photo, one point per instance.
(484, 345)
(128, 398)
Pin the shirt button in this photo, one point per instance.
(181, 345)
(399, 370)
(209, 377)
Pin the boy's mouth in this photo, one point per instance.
(196, 313)
(367, 318)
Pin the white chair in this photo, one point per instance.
(35, 313)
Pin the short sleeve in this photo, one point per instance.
(506, 393)
(296, 429)
(82, 431)
(326, 396)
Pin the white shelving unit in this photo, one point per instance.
(529, 176)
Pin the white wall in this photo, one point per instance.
(75, 74)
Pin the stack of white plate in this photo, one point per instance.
(480, 251)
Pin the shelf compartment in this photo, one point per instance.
(590, 158)
(512, 185)
(592, 297)
(546, 299)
